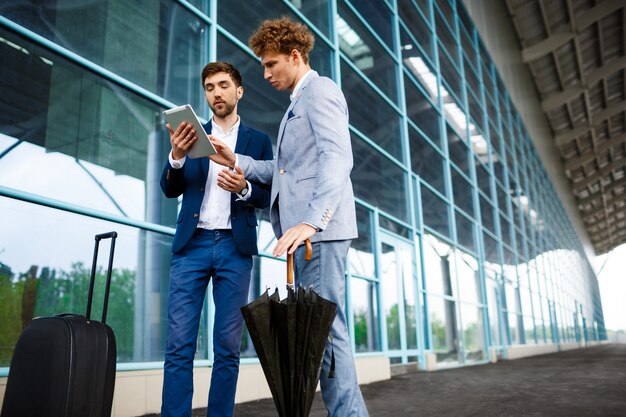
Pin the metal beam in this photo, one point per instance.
(591, 198)
(613, 233)
(558, 99)
(557, 40)
(601, 173)
(571, 164)
(599, 117)
(591, 219)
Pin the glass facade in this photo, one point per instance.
(464, 245)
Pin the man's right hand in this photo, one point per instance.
(181, 139)
(224, 156)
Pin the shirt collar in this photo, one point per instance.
(217, 130)
(296, 91)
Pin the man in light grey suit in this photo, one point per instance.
(311, 195)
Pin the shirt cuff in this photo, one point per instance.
(313, 226)
(176, 163)
(248, 194)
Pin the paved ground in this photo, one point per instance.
(583, 382)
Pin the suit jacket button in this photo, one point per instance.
(281, 171)
(195, 215)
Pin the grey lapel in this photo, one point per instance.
(291, 106)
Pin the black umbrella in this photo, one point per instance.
(289, 337)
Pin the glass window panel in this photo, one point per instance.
(358, 44)
(529, 330)
(109, 32)
(393, 227)
(475, 109)
(446, 36)
(491, 249)
(465, 231)
(370, 114)
(450, 74)
(231, 14)
(483, 178)
(527, 308)
(60, 275)
(511, 297)
(105, 146)
(467, 277)
(420, 110)
(426, 161)
(505, 228)
(473, 332)
(435, 212)
(487, 80)
(486, 214)
(472, 79)
(378, 16)
(361, 255)
(443, 329)
(467, 45)
(463, 192)
(457, 150)
(514, 329)
(437, 270)
(493, 308)
(317, 11)
(378, 181)
(390, 284)
(416, 25)
(410, 294)
(420, 67)
(364, 307)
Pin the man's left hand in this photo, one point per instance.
(233, 181)
(293, 238)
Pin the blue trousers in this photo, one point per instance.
(210, 254)
(325, 273)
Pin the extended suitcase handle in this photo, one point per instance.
(112, 236)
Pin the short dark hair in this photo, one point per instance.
(220, 66)
(282, 36)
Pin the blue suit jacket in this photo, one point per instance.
(190, 181)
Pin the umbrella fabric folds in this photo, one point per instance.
(290, 337)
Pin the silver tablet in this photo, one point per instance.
(177, 115)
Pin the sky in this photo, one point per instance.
(610, 269)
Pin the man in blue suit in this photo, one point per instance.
(215, 239)
(312, 193)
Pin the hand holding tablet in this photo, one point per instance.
(177, 115)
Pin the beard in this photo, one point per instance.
(225, 110)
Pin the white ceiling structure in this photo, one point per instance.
(574, 50)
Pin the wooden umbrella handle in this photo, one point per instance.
(307, 257)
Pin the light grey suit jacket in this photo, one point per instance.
(310, 175)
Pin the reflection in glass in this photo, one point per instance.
(422, 112)
(378, 181)
(361, 254)
(514, 328)
(377, 14)
(356, 42)
(467, 277)
(437, 266)
(109, 32)
(370, 113)
(435, 211)
(473, 332)
(364, 306)
(426, 161)
(463, 192)
(390, 284)
(84, 141)
(493, 307)
(410, 311)
(416, 24)
(465, 230)
(39, 276)
(443, 329)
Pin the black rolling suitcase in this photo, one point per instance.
(65, 365)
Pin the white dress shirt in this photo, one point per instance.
(298, 87)
(215, 209)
